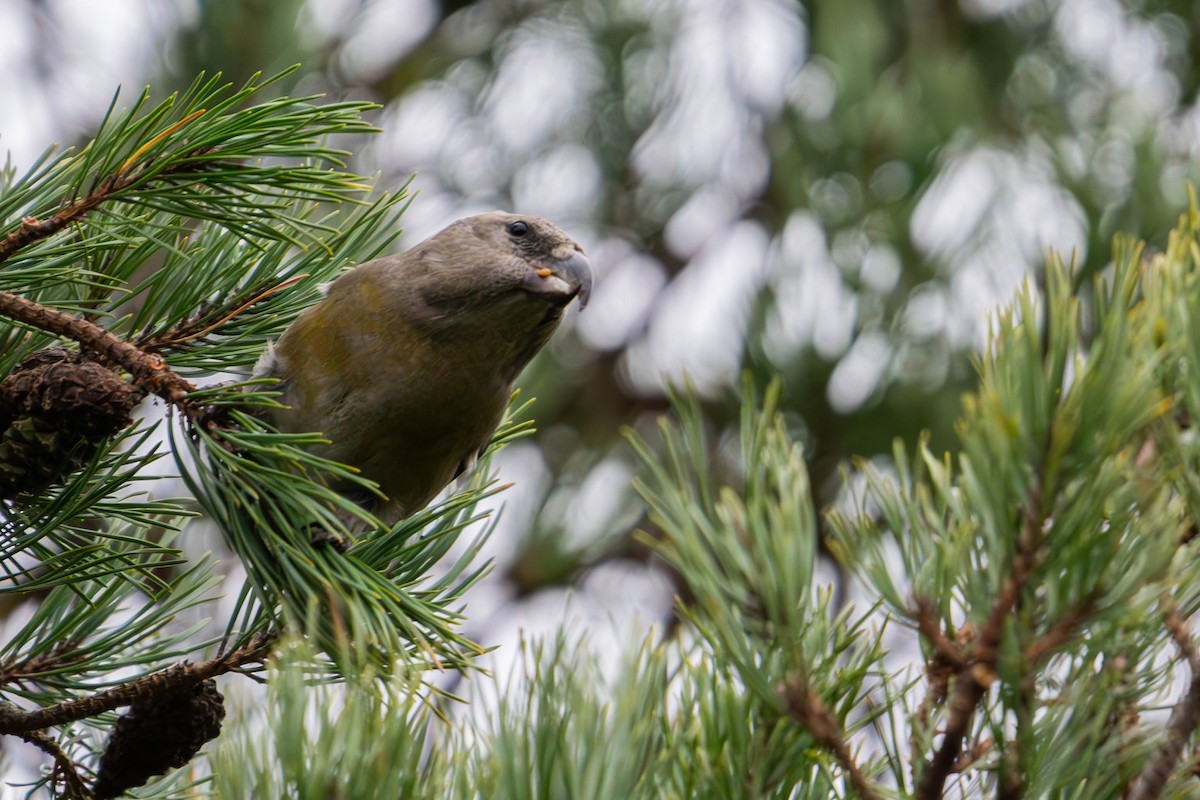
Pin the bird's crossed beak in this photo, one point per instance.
(566, 279)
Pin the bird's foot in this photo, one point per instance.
(321, 536)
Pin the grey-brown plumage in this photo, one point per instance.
(408, 363)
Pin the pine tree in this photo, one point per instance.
(172, 246)
(1043, 572)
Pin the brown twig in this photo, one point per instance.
(63, 765)
(968, 759)
(149, 371)
(1185, 718)
(15, 671)
(973, 682)
(808, 710)
(937, 676)
(16, 720)
(33, 229)
(1180, 634)
(191, 330)
(1011, 783)
(944, 663)
(930, 626)
(1060, 632)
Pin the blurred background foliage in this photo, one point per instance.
(834, 191)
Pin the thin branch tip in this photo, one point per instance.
(806, 707)
(1170, 754)
(973, 682)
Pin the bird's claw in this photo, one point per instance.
(321, 535)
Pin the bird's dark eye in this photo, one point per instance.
(518, 228)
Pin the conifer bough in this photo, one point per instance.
(172, 237)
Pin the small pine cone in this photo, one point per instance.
(55, 411)
(15, 388)
(35, 454)
(51, 355)
(61, 388)
(159, 735)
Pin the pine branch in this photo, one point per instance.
(974, 753)
(15, 720)
(32, 229)
(1185, 718)
(191, 178)
(213, 319)
(63, 654)
(973, 682)
(1061, 632)
(1178, 629)
(946, 661)
(946, 652)
(83, 632)
(64, 767)
(809, 711)
(149, 371)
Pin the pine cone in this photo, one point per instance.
(56, 409)
(34, 454)
(62, 388)
(157, 736)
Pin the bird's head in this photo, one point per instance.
(498, 256)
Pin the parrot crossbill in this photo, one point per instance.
(407, 364)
